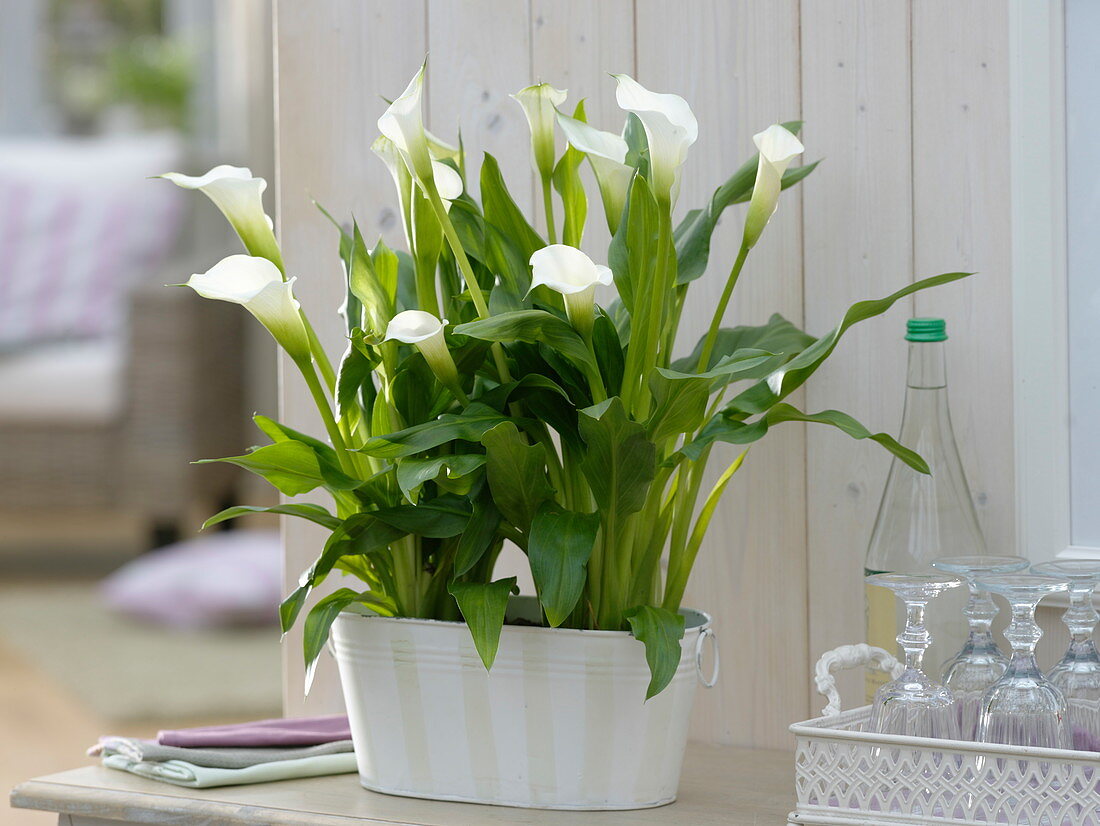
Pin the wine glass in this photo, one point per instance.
(913, 704)
(980, 663)
(1023, 708)
(1078, 672)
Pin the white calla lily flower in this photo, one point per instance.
(257, 285)
(777, 146)
(425, 332)
(569, 271)
(606, 152)
(670, 128)
(539, 103)
(403, 123)
(239, 195)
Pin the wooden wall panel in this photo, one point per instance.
(737, 65)
(962, 220)
(858, 244)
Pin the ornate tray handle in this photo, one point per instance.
(850, 656)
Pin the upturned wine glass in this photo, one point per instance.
(980, 663)
(914, 704)
(1078, 672)
(1023, 708)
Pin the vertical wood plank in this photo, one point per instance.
(858, 244)
(480, 55)
(962, 221)
(737, 65)
(334, 61)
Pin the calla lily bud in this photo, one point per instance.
(670, 129)
(539, 102)
(239, 196)
(425, 332)
(258, 286)
(447, 182)
(778, 147)
(403, 123)
(606, 152)
(389, 154)
(569, 271)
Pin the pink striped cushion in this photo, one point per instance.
(79, 225)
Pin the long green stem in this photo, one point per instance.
(720, 311)
(467, 274)
(323, 407)
(657, 298)
(548, 208)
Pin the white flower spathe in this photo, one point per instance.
(403, 123)
(447, 182)
(569, 271)
(777, 146)
(539, 103)
(239, 195)
(670, 128)
(606, 152)
(257, 285)
(425, 332)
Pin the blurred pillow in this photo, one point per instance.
(79, 225)
(219, 579)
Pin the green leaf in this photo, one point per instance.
(324, 613)
(725, 429)
(609, 353)
(291, 467)
(314, 513)
(660, 631)
(559, 549)
(439, 518)
(632, 254)
(412, 472)
(680, 405)
(761, 396)
(620, 461)
(478, 536)
(534, 327)
(693, 235)
(355, 369)
(777, 336)
(360, 534)
(567, 181)
(501, 210)
(483, 605)
(469, 426)
(517, 474)
(290, 607)
(364, 285)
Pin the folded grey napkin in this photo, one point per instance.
(147, 751)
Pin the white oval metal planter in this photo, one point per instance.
(561, 722)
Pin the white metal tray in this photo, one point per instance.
(845, 775)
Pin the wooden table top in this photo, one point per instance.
(720, 785)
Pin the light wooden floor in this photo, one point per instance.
(44, 730)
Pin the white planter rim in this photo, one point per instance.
(693, 619)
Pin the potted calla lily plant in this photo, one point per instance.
(486, 397)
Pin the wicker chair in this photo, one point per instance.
(180, 401)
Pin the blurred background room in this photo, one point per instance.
(111, 383)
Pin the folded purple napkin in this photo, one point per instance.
(302, 731)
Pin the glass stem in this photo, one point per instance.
(1081, 617)
(915, 639)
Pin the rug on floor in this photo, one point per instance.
(124, 669)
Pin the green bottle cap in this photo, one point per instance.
(926, 329)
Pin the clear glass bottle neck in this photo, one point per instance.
(927, 365)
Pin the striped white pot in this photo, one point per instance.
(561, 722)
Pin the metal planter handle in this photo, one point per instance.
(850, 656)
(700, 641)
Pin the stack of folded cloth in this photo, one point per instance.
(231, 755)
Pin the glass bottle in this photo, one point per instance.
(922, 517)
